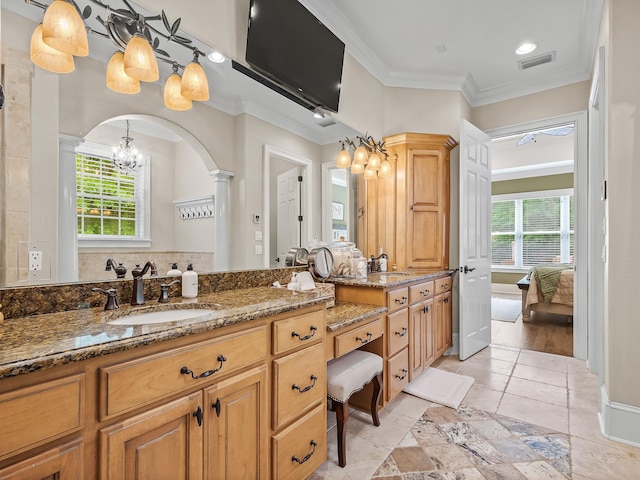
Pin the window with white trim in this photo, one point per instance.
(532, 228)
(110, 203)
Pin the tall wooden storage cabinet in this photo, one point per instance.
(407, 213)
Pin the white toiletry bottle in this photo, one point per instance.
(190, 283)
(174, 272)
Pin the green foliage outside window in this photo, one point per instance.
(105, 198)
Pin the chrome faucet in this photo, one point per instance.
(120, 269)
(137, 295)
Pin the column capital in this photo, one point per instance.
(225, 175)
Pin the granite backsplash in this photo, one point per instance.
(41, 299)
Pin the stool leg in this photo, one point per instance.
(342, 415)
(377, 391)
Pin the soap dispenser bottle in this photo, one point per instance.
(174, 272)
(189, 283)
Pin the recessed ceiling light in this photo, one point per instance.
(525, 48)
(216, 57)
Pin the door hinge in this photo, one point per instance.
(300, 178)
(299, 218)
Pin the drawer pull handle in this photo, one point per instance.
(198, 416)
(425, 293)
(365, 340)
(401, 301)
(187, 371)
(402, 333)
(446, 300)
(404, 374)
(308, 387)
(445, 286)
(425, 309)
(307, 456)
(216, 406)
(306, 337)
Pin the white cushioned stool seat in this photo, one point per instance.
(351, 372)
(345, 376)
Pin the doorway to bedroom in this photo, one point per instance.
(533, 228)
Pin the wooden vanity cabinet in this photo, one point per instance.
(442, 316)
(138, 414)
(422, 338)
(407, 214)
(299, 391)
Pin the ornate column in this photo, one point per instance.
(222, 215)
(67, 209)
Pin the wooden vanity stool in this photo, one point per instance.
(345, 376)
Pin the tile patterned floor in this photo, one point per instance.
(529, 415)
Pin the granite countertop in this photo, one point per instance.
(390, 279)
(29, 344)
(345, 314)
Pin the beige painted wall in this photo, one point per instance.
(622, 155)
(537, 106)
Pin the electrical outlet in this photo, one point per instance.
(35, 260)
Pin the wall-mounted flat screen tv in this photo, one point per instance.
(289, 45)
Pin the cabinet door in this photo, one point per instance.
(237, 427)
(163, 443)
(446, 321)
(60, 463)
(416, 340)
(438, 315)
(429, 350)
(427, 195)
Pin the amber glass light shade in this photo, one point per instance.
(361, 155)
(194, 82)
(117, 79)
(374, 161)
(173, 98)
(344, 159)
(49, 58)
(357, 168)
(385, 168)
(140, 61)
(370, 173)
(63, 29)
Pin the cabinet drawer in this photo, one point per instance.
(443, 285)
(398, 368)
(158, 376)
(299, 381)
(357, 337)
(35, 415)
(421, 292)
(306, 440)
(290, 333)
(397, 299)
(397, 330)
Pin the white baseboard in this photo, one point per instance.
(507, 288)
(455, 348)
(619, 422)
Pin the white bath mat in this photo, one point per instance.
(440, 386)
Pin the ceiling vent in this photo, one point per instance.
(327, 122)
(537, 60)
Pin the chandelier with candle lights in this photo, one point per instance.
(62, 35)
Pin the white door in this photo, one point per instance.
(475, 240)
(288, 234)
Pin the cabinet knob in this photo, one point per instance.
(198, 415)
(216, 406)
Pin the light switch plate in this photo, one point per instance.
(258, 249)
(258, 235)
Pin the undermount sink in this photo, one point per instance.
(161, 316)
